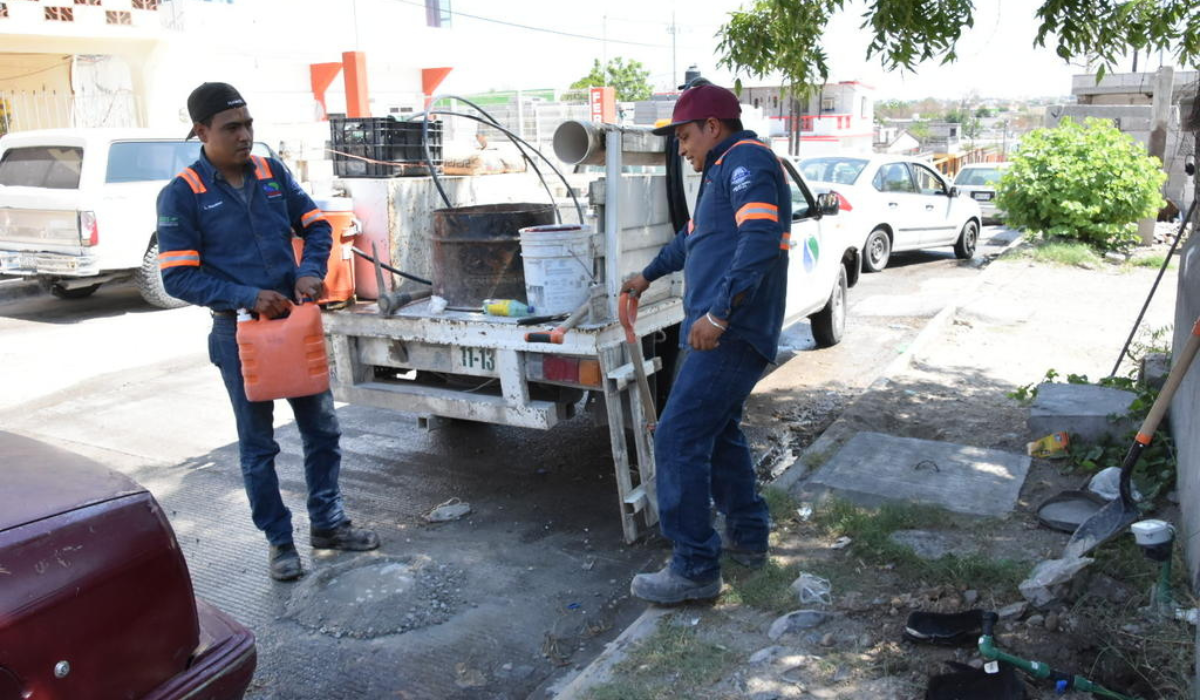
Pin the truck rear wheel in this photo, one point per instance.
(150, 284)
(75, 293)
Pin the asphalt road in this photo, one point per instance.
(500, 604)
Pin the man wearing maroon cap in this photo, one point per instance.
(734, 257)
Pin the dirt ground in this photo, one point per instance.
(1025, 318)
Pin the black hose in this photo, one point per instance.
(389, 268)
(521, 149)
(437, 181)
(1136, 324)
(506, 132)
(676, 198)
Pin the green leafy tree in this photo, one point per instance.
(984, 113)
(1087, 182)
(785, 36)
(630, 80)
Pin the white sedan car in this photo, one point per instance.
(978, 181)
(897, 203)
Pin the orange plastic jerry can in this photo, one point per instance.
(283, 358)
(339, 279)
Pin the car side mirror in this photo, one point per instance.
(953, 192)
(828, 204)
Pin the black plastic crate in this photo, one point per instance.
(382, 146)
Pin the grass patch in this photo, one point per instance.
(1068, 253)
(780, 503)
(672, 662)
(1152, 261)
(768, 588)
(871, 532)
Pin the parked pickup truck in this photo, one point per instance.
(77, 207)
(469, 366)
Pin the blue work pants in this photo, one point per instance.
(702, 459)
(319, 434)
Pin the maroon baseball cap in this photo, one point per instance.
(702, 102)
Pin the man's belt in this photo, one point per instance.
(223, 314)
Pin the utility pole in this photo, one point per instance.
(673, 30)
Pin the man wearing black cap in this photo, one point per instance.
(734, 256)
(225, 226)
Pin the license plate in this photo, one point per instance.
(469, 360)
(982, 196)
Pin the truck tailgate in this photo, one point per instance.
(38, 229)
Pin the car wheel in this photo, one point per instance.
(829, 323)
(964, 248)
(150, 284)
(877, 250)
(74, 293)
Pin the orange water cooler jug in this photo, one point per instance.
(339, 279)
(283, 358)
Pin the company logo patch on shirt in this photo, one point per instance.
(740, 179)
(272, 189)
(214, 205)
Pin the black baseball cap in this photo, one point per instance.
(209, 99)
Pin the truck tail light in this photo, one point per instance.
(89, 232)
(565, 370)
(843, 203)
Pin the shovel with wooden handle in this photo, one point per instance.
(1112, 519)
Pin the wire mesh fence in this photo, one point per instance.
(22, 110)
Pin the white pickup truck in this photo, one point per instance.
(77, 207)
(468, 366)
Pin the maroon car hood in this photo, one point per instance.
(39, 481)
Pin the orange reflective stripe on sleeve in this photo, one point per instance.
(310, 217)
(756, 210)
(178, 258)
(786, 244)
(192, 178)
(262, 169)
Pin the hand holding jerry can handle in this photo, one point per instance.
(627, 310)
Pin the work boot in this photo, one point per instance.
(667, 587)
(284, 561)
(344, 536)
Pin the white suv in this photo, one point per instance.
(78, 207)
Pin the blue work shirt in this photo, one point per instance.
(734, 251)
(218, 247)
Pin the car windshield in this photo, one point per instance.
(978, 177)
(146, 161)
(843, 171)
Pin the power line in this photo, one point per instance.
(40, 70)
(546, 30)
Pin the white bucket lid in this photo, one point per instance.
(335, 204)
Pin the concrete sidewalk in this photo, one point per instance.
(951, 384)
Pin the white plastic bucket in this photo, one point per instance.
(558, 267)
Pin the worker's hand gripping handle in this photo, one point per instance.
(627, 310)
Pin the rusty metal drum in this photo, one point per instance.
(477, 251)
